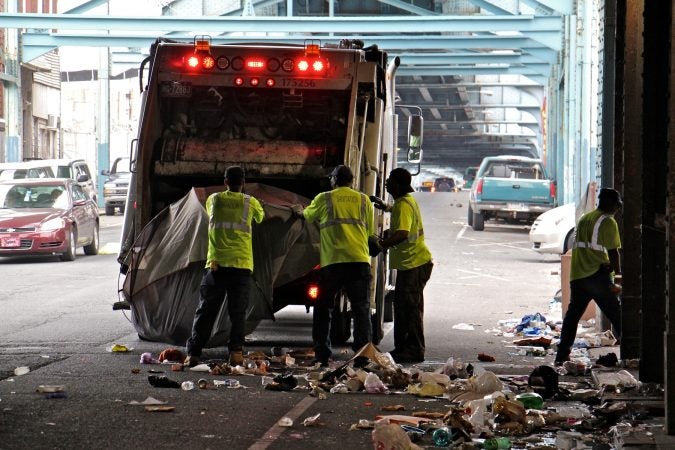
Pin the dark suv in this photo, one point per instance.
(444, 185)
(116, 186)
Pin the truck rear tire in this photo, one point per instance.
(478, 221)
(469, 218)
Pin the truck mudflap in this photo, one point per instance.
(168, 258)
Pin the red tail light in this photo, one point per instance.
(313, 291)
(303, 65)
(255, 64)
(318, 65)
(208, 62)
(552, 189)
(193, 61)
(479, 186)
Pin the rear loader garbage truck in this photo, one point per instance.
(287, 114)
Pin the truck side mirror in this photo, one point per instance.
(415, 133)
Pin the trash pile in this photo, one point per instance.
(474, 407)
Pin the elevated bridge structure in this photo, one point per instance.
(480, 70)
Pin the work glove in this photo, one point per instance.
(378, 203)
(374, 247)
(296, 211)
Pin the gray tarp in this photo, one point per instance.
(168, 258)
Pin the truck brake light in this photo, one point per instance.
(313, 291)
(255, 64)
(479, 186)
(552, 189)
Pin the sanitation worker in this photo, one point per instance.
(596, 267)
(346, 221)
(229, 266)
(411, 258)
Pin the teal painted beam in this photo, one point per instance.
(539, 8)
(258, 4)
(447, 71)
(412, 9)
(531, 69)
(468, 58)
(380, 24)
(388, 41)
(565, 7)
(515, 85)
(490, 7)
(86, 6)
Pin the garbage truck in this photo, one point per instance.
(288, 114)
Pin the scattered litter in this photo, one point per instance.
(200, 368)
(463, 326)
(119, 348)
(393, 408)
(162, 382)
(484, 357)
(391, 436)
(374, 385)
(311, 420)
(285, 382)
(135, 370)
(171, 355)
(148, 401)
(21, 370)
(202, 383)
(159, 408)
(44, 388)
(285, 422)
(56, 395)
(228, 383)
(146, 358)
(187, 385)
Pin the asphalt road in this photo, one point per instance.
(57, 319)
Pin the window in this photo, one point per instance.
(78, 193)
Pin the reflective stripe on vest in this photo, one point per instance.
(242, 225)
(412, 237)
(332, 220)
(593, 245)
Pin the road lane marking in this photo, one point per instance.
(273, 433)
(478, 274)
(461, 233)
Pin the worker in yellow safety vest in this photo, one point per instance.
(229, 266)
(595, 271)
(346, 221)
(411, 258)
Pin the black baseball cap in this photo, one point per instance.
(403, 178)
(611, 194)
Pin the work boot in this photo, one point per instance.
(236, 358)
(191, 361)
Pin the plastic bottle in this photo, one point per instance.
(500, 443)
(531, 400)
(442, 437)
(187, 385)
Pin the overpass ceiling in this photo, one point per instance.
(478, 72)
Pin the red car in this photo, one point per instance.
(47, 216)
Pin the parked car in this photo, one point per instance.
(444, 184)
(25, 169)
(553, 231)
(78, 170)
(47, 216)
(116, 187)
(426, 186)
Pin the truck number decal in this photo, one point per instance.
(298, 83)
(176, 89)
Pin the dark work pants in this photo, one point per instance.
(409, 310)
(354, 278)
(236, 284)
(596, 287)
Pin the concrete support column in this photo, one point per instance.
(631, 184)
